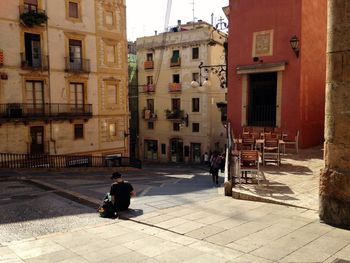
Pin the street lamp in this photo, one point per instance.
(294, 43)
(219, 70)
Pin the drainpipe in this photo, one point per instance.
(49, 78)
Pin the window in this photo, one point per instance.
(151, 150)
(195, 76)
(195, 127)
(150, 105)
(149, 80)
(176, 55)
(176, 126)
(176, 78)
(150, 125)
(75, 54)
(195, 104)
(149, 57)
(76, 94)
(35, 96)
(32, 56)
(30, 6)
(78, 131)
(163, 148)
(195, 53)
(175, 104)
(73, 9)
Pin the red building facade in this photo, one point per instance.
(269, 83)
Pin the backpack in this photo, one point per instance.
(217, 162)
(106, 209)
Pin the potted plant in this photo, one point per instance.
(33, 18)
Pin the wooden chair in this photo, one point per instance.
(291, 140)
(271, 151)
(249, 163)
(248, 143)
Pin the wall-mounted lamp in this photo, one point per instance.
(294, 43)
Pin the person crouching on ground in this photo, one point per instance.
(121, 192)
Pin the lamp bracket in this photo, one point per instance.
(218, 70)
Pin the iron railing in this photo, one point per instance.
(262, 115)
(10, 111)
(39, 63)
(77, 65)
(175, 62)
(175, 87)
(149, 88)
(149, 115)
(174, 114)
(148, 64)
(13, 160)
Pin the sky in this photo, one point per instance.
(146, 16)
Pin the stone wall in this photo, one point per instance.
(335, 178)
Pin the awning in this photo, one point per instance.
(261, 67)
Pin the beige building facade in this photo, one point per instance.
(63, 88)
(179, 117)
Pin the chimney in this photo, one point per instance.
(179, 22)
(155, 32)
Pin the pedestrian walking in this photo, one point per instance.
(215, 164)
(206, 158)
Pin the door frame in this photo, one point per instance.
(34, 131)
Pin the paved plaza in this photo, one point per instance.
(179, 216)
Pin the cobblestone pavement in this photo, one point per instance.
(295, 182)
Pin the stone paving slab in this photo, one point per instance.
(292, 235)
(294, 182)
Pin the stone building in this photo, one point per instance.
(63, 88)
(179, 118)
(271, 83)
(335, 177)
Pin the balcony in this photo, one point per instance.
(175, 62)
(38, 62)
(175, 114)
(149, 115)
(149, 88)
(175, 87)
(31, 16)
(45, 111)
(148, 64)
(77, 65)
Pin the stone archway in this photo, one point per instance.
(335, 177)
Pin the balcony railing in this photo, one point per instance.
(41, 62)
(148, 64)
(149, 115)
(174, 114)
(149, 88)
(175, 62)
(77, 65)
(175, 87)
(31, 16)
(28, 111)
(13, 160)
